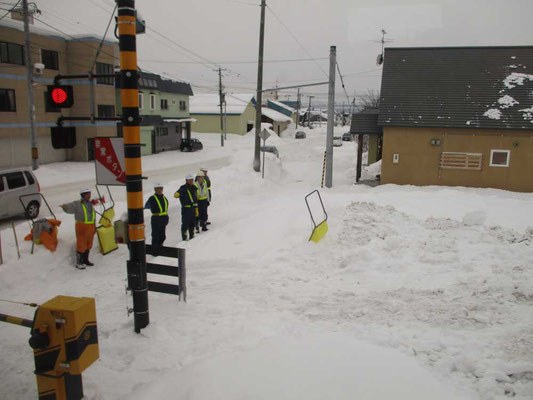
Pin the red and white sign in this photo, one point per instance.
(109, 161)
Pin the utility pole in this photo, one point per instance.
(257, 162)
(331, 123)
(29, 86)
(129, 75)
(309, 112)
(297, 108)
(221, 101)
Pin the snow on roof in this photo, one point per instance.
(208, 103)
(285, 106)
(275, 115)
(39, 29)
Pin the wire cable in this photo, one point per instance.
(342, 82)
(103, 37)
(3, 16)
(296, 39)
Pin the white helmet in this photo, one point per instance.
(200, 173)
(158, 185)
(189, 176)
(203, 169)
(84, 190)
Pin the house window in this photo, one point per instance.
(183, 105)
(106, 110)
(50, 59)
(7, 100)
(500, 158)
(162, 131)
(12, 53)
(48, 105)
(454, 160)
(152, 101)
(164, 104)
(140, 101)
(102, 68)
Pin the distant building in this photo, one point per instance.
(282, 108)
(60, 55)
(239, 111)
(458, 116)
(279, 121)
(164, 109)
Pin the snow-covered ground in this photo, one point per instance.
(414, 293)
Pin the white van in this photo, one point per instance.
(14, 183)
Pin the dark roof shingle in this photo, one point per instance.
(460, 87)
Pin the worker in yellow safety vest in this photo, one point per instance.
(203, 200)
(85, 216)
(158, 204)
(187, 194)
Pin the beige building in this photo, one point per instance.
(60, 55)
(458, 116)
(239, 113)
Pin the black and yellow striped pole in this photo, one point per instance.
(324, 168)
(136, 265)
(16, 320)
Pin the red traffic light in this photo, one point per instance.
(61, 96)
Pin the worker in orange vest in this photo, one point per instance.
(85, 216)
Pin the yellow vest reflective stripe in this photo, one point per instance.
(87, 221)
(162, 212)
(204, 187)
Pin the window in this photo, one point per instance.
(29, 178)
(162, 131)
(12, 53)
(500, 158)
(48, 105)
(183, 105)
(15, 180)
(106, 110)
(164, 104)
(140, 100)
(7, 100)
(152, 101)
(50, 59)
(1, 183)
(452, 160)
(102, 68)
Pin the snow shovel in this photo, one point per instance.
(105, 230)
(320, 229)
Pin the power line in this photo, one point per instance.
(296, 39)
(236, 62)
(8, 11)
(342, 82)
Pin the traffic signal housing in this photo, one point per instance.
(61, 96)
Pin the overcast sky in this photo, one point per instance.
(225, 33)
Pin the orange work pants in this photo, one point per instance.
(84, 236)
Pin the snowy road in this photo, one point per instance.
(414, 293)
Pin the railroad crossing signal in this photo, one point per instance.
(61, 96)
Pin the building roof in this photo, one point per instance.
(281, 107)
(275, 115)
(39, 29)
(210, 103)
(459, 87)
(149, 81)
(366, 122)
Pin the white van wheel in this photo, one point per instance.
(32, 211)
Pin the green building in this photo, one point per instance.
(164, 108)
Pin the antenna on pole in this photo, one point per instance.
(381, 57)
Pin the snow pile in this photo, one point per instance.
(506, 102)
(474, 218)
(493, 113)
(516, 78)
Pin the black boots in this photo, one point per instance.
(82, 259)
(86, 259)
(79, 260)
